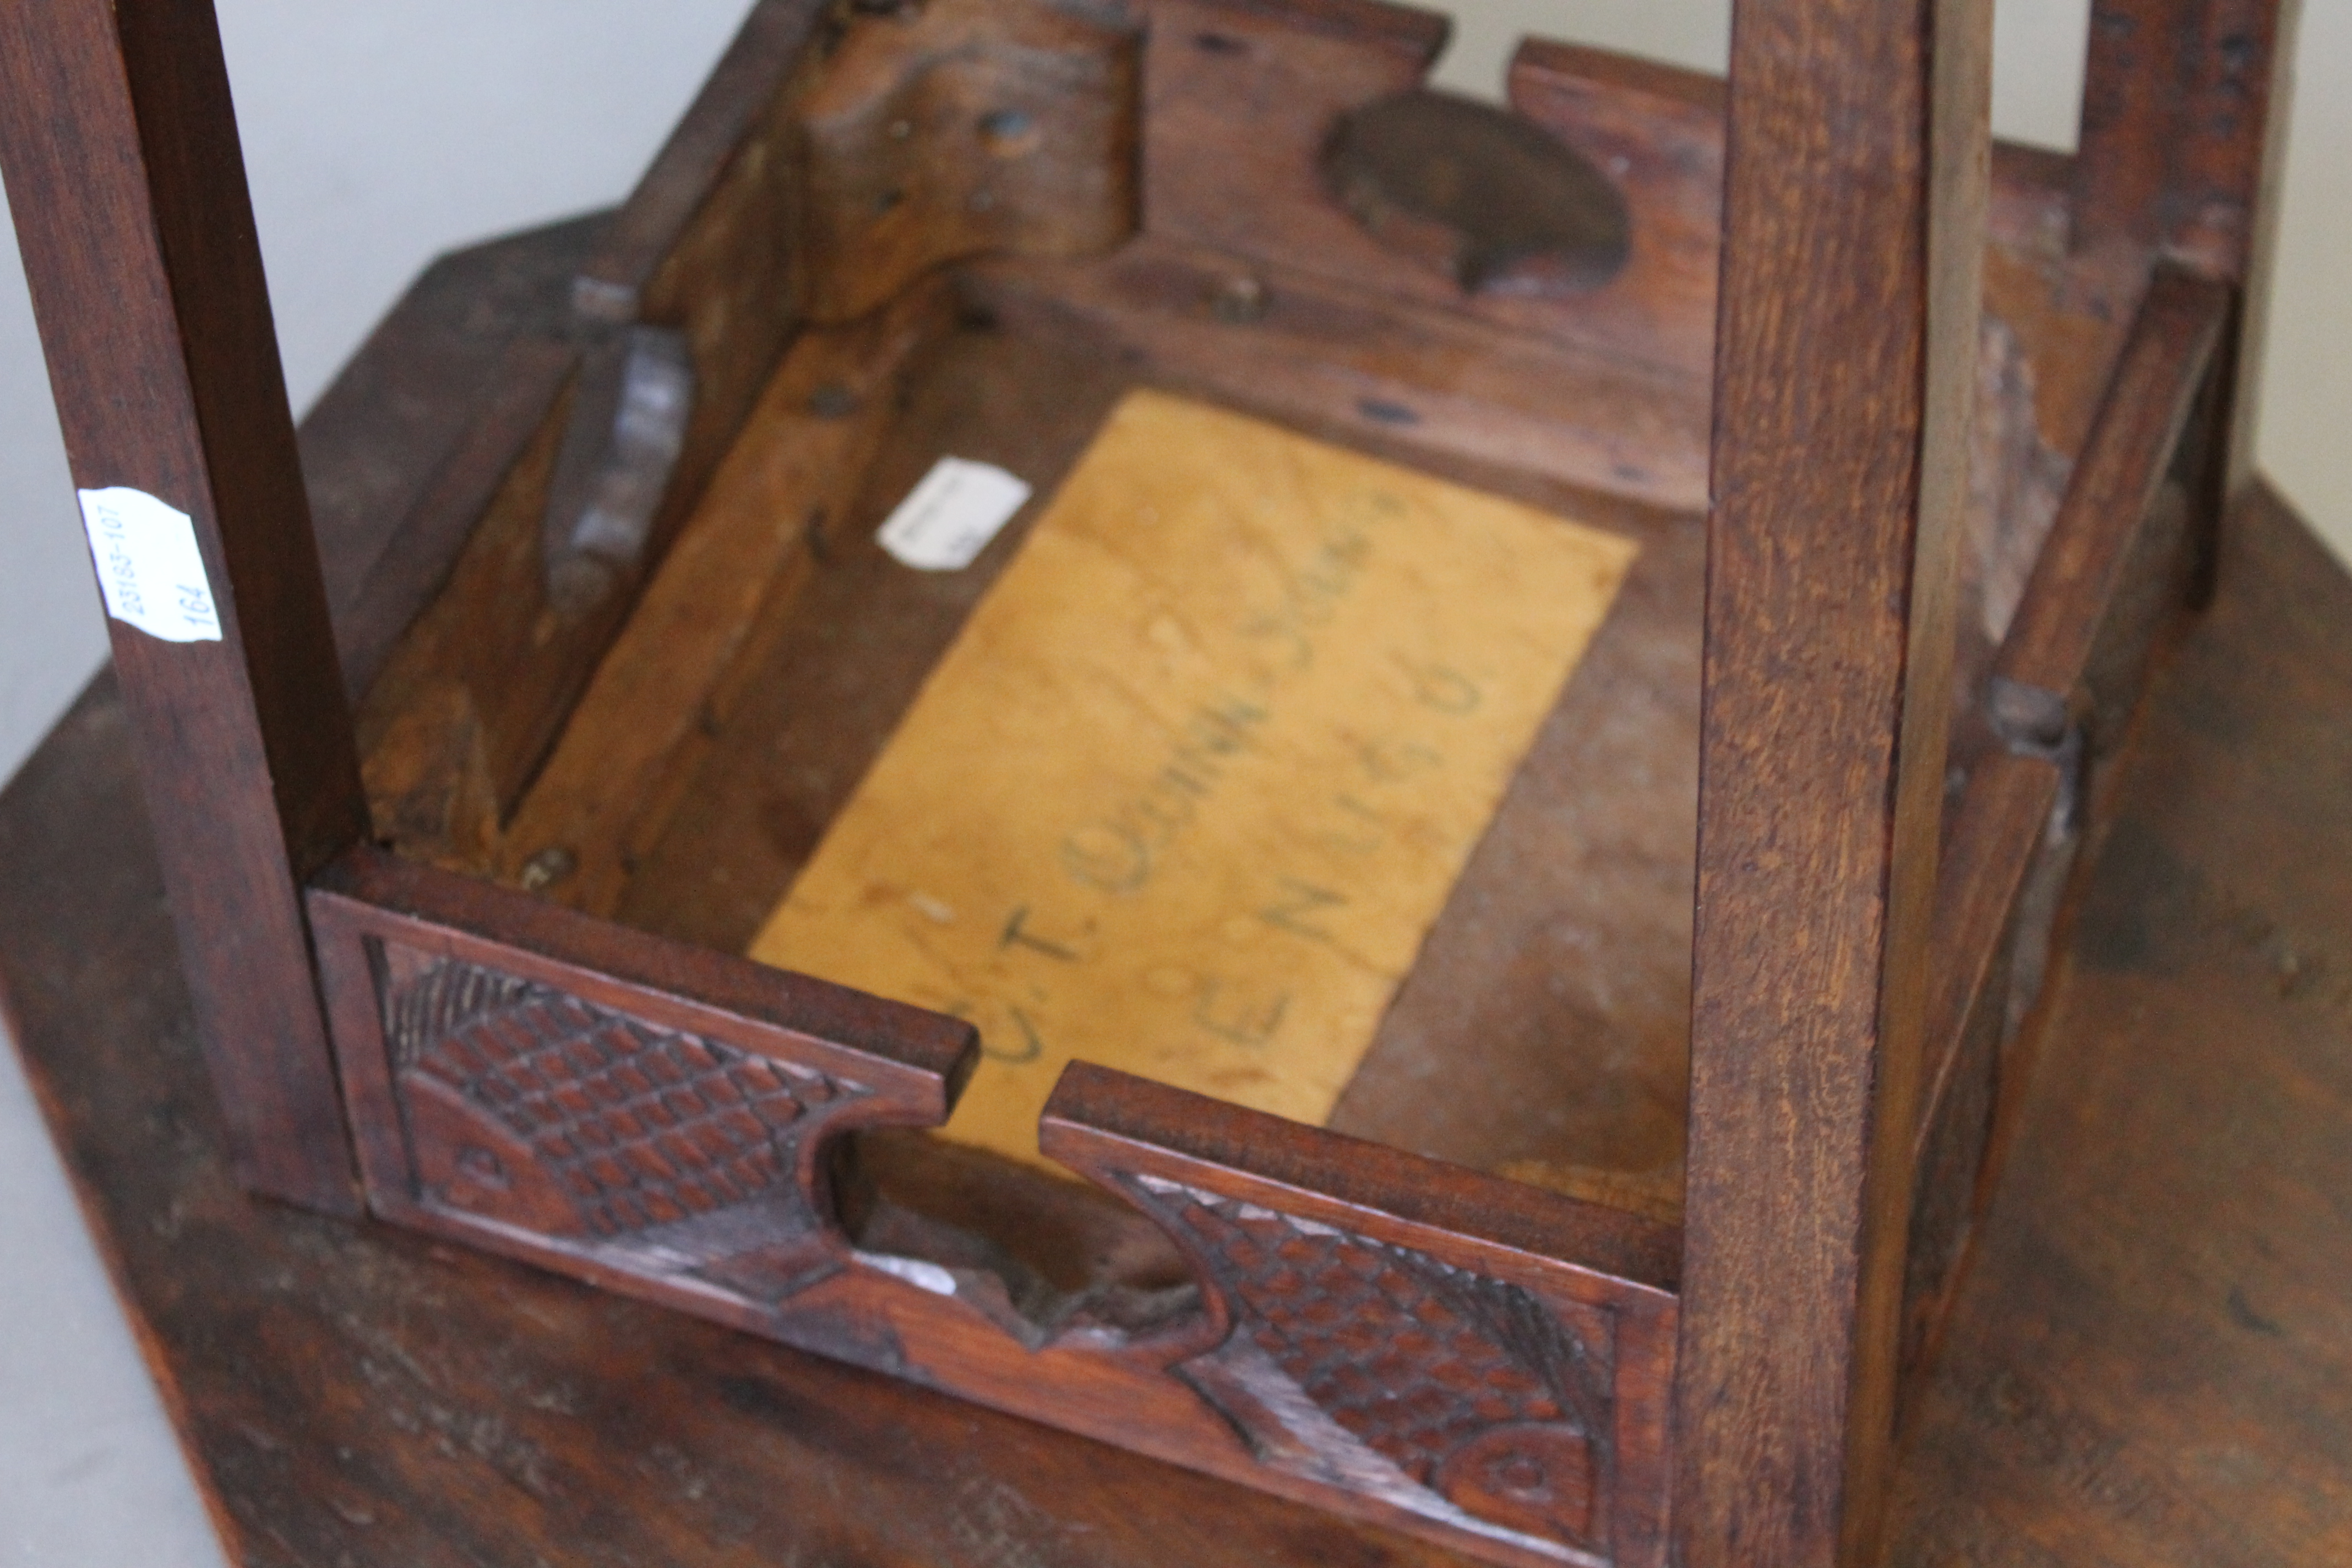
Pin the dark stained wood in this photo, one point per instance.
(1852, 301)
(1427, 376)
(2233, 130)
(2148, 1361)
(2260, 172)
(1659, 133)
(699, 640)
(632, 403)
(1478, 193)
(124, 169)
(2183, 144)
(1165, 1129)
(1277, 339)
(1298, 312)
(704, 247)
(963, 127)
(525, 384)
(1386, 1288)
(1242, 96)
(403, 452)
(2122, 563)
(1469, 1359)
(852, 649)
(504, 1415)
(2130, 121)
(551, 1084)
(655, 1120)
(753, 214)
(2082, 609)
(650, 232)
(2011, 845)
(2179, 128)
(489, 633)
(1570, 929)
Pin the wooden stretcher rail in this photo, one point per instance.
(2118, 567)
(1989, 938)
(128, 183)
(2110, 577)
(1445, 1352)
(2085, 608)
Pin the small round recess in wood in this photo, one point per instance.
(1493, 200)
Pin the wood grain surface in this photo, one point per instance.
(537, 1083)
(2146, 1362)
(2085, 618)
(128, 187)
(640, 733)
(1851, 306)
(1570, 926)
(1198, 775)
(486, 1035)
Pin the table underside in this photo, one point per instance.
(2150, 1363)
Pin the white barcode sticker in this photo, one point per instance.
(952, 515)
(149, 567)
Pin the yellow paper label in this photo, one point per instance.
(1197, 777)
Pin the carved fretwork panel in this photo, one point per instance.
(641, 1114)
(1480, 1363)
(1447, 1390)
(529, 1107)
(1474, 1359)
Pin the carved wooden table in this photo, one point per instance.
(2150, 1364)
(595, 535)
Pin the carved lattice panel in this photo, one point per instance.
(646, 1115)
(638, 1126)
(1452, 1393)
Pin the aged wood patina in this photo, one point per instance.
(1865, 1096)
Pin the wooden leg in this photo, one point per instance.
(125, 175)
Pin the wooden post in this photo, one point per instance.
(2184, 130)
(1851, 299)
(2182, 105)
(120, 151)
